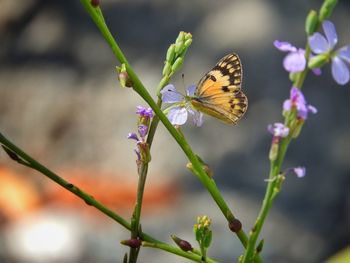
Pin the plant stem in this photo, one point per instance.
(275, 168)
(165, 247)
(27, 160)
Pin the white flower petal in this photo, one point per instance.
(330, 32)
(318, 43)
(171, 95)
(177, 115)
(340, 71)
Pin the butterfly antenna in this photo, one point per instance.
(183, 81)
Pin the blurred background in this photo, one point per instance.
(61, 102)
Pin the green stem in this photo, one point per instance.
(27, 160)
(194, 257)
(301, 77)
(142, 91)
(275, 168)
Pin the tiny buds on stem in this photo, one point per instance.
(297, 126)
(95, 3)
(318, 61)
(170, 55)
(145, 154)
(177, 64)
(123, 77)
(167, 69)
(133, 243)
(235, 225)
(183, 244)
(311, 23)
(260, 246)
(327, 9)
(274, 149)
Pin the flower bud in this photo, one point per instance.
(183, 244)
(297, 127)
(273, 150)
(123, 77)
(260, 246)
(327, 9)
(177, 64)
(166, 69)
(181, 38)
(235, 225)
(95, 3)
(318, 61)
(311, 23)
(144, 152)
(170, 54)
(133, 243)
(188, 42)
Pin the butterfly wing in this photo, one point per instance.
(219, 92)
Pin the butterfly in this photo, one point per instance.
(219, 93)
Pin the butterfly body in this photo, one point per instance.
(219, 94)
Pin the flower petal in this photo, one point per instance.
(133, 136)
(344, 53)
(340, 71)
(171, 95)
(294, 61)
(284, 46)
(312, 109)
(318, 43)
(197, 117)
(287, 105)
(299, 171)
(330, 32)
(177, 115)
(317, 71)
(191, 90)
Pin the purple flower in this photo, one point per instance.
(144, 112)
(181, 108)
(133, 136)
(295, 60)
(324, 45)
(297, 101)
(278, 130)
(299, 171)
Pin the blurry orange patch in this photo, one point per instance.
(112, 191)
(18, 194)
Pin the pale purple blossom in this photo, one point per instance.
(181, 108)
(278, 130)
(320, 44)
(297, 101)
(295, 60)
(299, 171)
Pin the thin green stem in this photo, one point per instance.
(275, 168)
(27, 160)
(194, 257)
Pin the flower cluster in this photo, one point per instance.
(144, 117)
(297, 101)
(182, 107)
